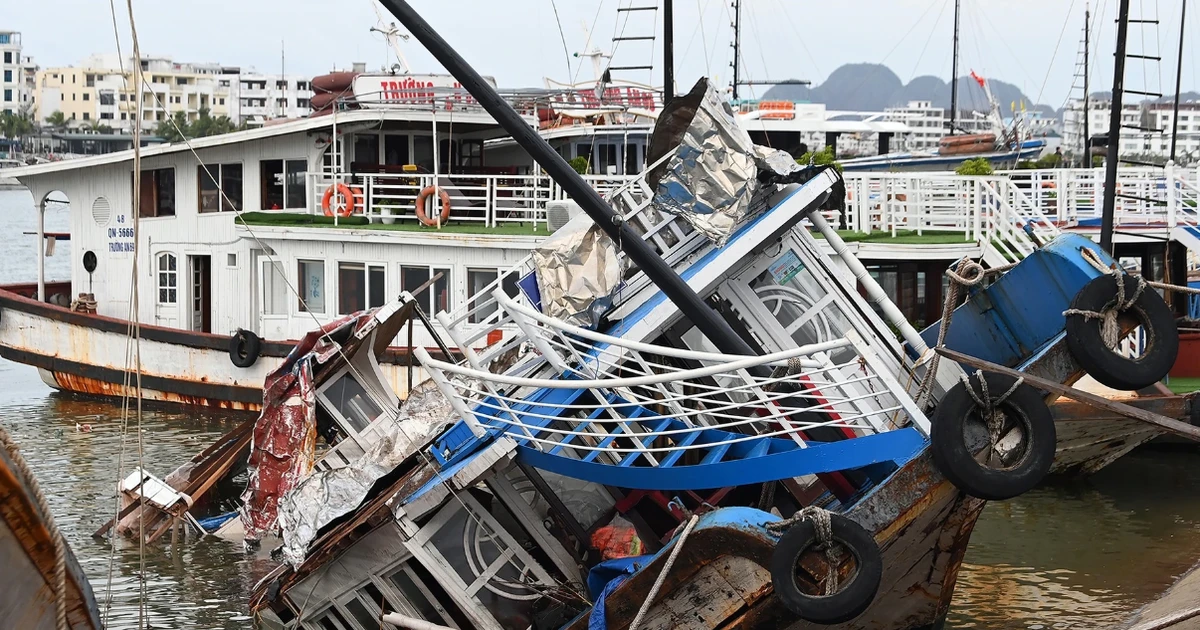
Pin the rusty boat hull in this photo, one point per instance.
(86, 354)
(921, 522)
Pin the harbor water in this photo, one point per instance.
(1072, 555)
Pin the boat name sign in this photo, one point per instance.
(120, 238)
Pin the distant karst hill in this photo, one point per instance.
(874, 87)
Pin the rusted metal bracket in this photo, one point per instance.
(1167, 424)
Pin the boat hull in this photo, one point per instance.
(921, 522)
(87, 354)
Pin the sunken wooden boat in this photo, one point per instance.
(29, 562)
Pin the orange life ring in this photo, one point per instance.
(347, 194)
(424, 196)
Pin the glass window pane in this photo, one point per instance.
(275, 290)
(411, 279)
(164, 179)
(441, 292)
(352, 401)
(312, 286)
(362, 615)
(377, 282)
(210, 195)
(352, 288)
(477, 282)
(295, 184)
(231, 187)
(271, 181)
(423, 153)
(366, 150)
(395, 149)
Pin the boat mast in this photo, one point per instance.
(1114, 131)
(737, 45)
(1087, 96)
(1178, 78)
(669, 51)
(954, 75)
(694, 308)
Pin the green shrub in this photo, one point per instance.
(580, 164)
(297, 218)
(977, 166)
(820, 158)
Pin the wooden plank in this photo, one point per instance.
(1173, 426)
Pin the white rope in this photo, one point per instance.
(989, 407)
(1110, 326)
(662, 575)
(60, 545)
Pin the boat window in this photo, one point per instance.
(633, 165)
(360, 287)
(796, 298)
(362, 615)
(352, 400)
(605, 159)
(220, 187)
(312, 286)
(274, 289)
(395, 149)
(433, 298)
(426, 596)
(157, 197)
(282, 183)
(477, 282)
(366, 149)
(168, 279)
(333, 620)
(423, 153)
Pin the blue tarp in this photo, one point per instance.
(604, 578)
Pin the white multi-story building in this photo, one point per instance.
(260, 97)
(1146, 128)
(928, 123)
(15, 70)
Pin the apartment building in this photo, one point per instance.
(928, 124)
(1146, 127)
(16, 74)
(101, 89)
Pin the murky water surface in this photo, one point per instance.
(1081, 555)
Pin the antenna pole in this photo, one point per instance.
(954, 75)
(1114, 131)
(708, 321)
(1178, 78)
(1087, 95)
(737, 45)
(669, 51)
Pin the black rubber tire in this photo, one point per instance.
(955, 458)
(1101, 363)
(244, 348)
(852, 598)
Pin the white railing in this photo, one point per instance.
(641, 392)
(485, 200)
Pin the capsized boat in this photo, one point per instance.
(602, 461)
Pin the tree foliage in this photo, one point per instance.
(178, 127)
(580, 164)
(820, 158)
(57, 120)
(15, 126)
(976, 166)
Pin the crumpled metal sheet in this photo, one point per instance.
(285, 435)
(712, 175)
(329, 494)
(774, 163)
(578, 271)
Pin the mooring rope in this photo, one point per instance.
(1110, 326)
(983, 399)
(60, 545)
(822, 521)
(662, 575)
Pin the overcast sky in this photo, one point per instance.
(1032, 43)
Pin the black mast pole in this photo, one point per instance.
(1114, 131)
(669, 51)
(954, 75)
(737, 45)
(1178, 79)
(690, 304)
(1087, 95)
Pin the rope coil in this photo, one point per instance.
(822, 521)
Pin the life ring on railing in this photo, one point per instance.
(424, 196)
(347, 194)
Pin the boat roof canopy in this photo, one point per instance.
(302, 125)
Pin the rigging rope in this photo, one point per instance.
(662, 575)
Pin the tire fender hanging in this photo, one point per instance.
(816, 529)
(244, 348)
